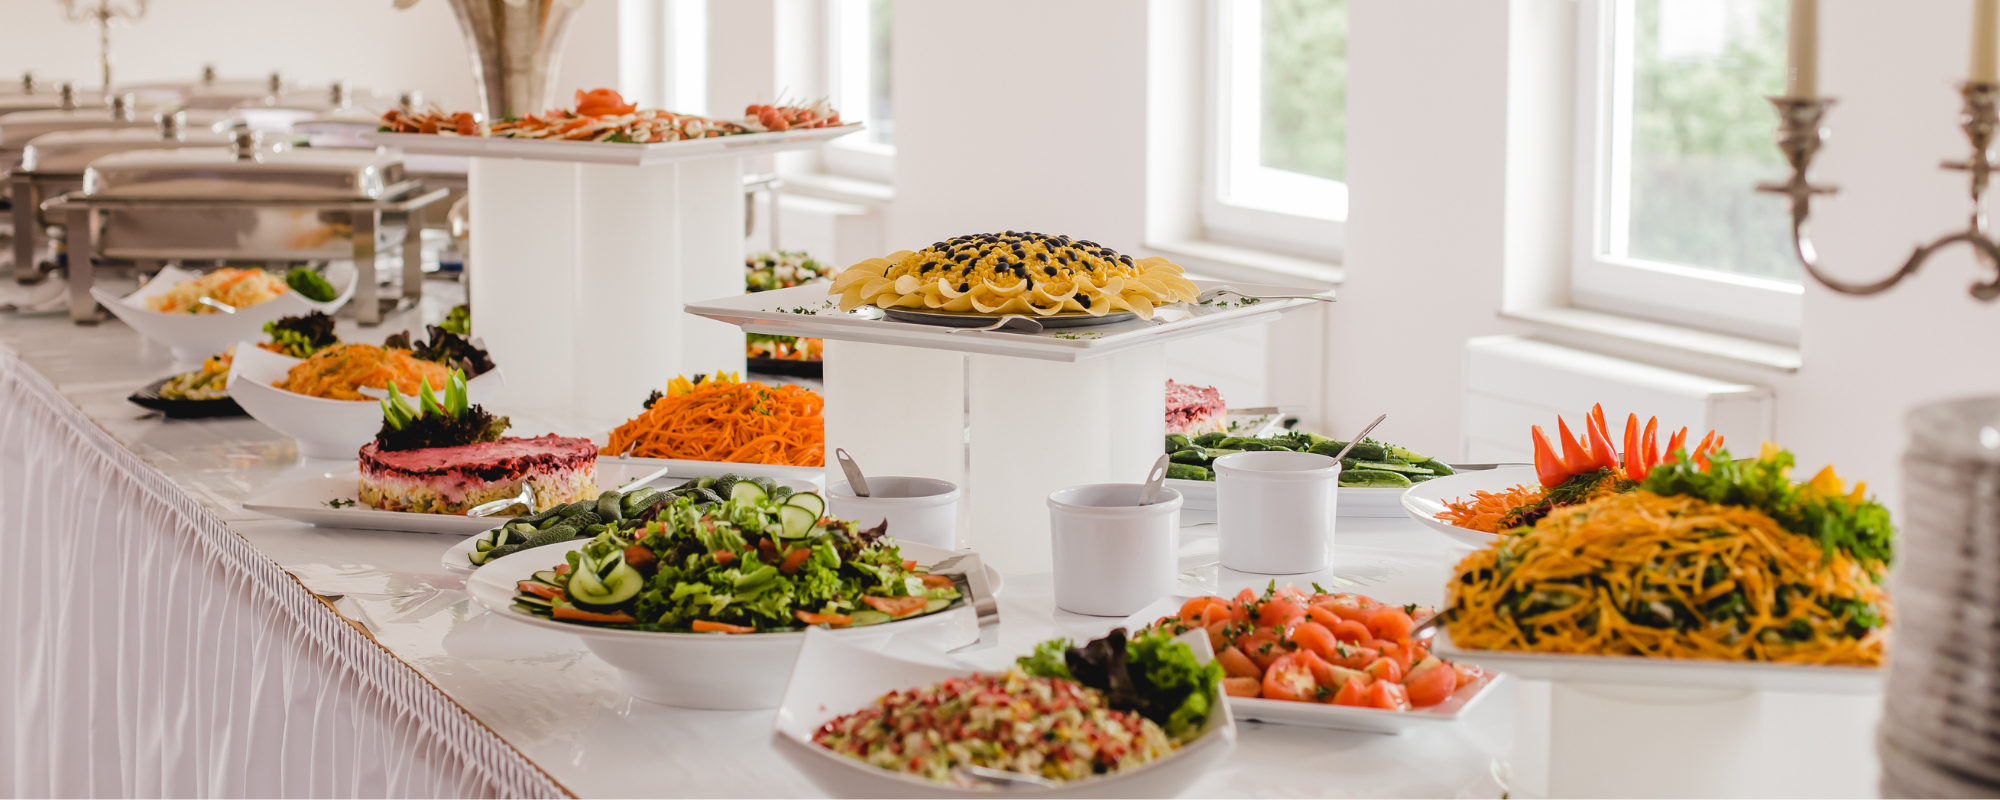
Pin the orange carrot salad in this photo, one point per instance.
(747, 423)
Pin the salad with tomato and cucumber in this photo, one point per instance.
(753, 563)
(1321, 647)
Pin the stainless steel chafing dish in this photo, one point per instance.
(18, 128)
(54, 163)
(245, 203)
(65, 96)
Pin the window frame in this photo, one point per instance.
(1679, 294)
(1255, 216)
(847, 84)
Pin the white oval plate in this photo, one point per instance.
(1424, 501)
(313, 501)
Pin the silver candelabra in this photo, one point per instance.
(104, 14)
(1799, 137)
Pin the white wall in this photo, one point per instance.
(367, 42)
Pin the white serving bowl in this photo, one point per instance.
(324, 429)
(1424, 501)
(683, 670)
(833, 677)
(923, 510)
(195, 337)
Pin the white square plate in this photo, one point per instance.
(1686, 673)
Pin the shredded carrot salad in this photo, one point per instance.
(1485, 510)
(747, 423)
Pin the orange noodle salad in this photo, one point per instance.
(341, 371)
(1586, 470)
(721, 419)
(1726, 560)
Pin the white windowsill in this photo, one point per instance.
(1234, 262)
(839, 189)
(1753, 352)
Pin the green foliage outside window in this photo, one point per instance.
(1702, 137)
(1305, 87)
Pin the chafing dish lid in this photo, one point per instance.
(18, 128)
(279, 173)
(68, 152)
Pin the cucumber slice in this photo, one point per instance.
(483, 545)
(798, 521)
(548, 576)
(808, 501)
(1389, 467)
(747, 492)
(622, 584)
(531, 600)
(779, 493)
(533, 611)
(868, 617)
(936, 605)
(477, 557)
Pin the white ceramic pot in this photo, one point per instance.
(1112, 555)
(683, 670)
(1276, 511)
(921, 510)
(324, 429)
(195, 337)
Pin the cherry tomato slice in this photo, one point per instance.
(1288, 679)
(1242, 687)
(1315, 638)
(1353, 693)
(1386, 669)
(1237, 665)
(706, 626)
(897, 607)
(580, 615)
(1386, 695)
(1389, 622)
(1431, 683)
(834, 620)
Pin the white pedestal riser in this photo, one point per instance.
(1038, 426)
(897, 411)
(579, 272)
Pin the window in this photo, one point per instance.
(859, 78)
(1278, 149)
(1672, 100)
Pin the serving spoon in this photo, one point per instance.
(525, 498)
(216, 304)
(1018, 322)
(1155, 477)
(1222, 290)
(1359, 436)
(855, 480)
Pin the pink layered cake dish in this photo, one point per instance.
(449, 480)
(1194, 409)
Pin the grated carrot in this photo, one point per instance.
(745, 423)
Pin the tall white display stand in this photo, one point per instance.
(583, 253)
(1038, 412)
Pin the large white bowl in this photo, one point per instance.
(1424, 501)
(684, 670)
(833, 677)
(194, 337)
(324, 429)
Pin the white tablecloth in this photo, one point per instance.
(153, 652)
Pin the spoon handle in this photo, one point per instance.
(1359, 436)
(1154, 478)
(855, 480)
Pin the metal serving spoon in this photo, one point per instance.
(855, 480)
(525, 498)
(1359, 436)
(216, 304)
(1326, 297)
(1155, 478)
(1004, 779)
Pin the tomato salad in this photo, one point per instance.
(1321, 647)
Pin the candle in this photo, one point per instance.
(1985, 41)
(1802, 51)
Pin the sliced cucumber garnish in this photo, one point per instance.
(936, 605)
(531, 600)
(747, 492)
(798, 521)
(547, 576)
(808, 501)
(596, 585)
(869, 617)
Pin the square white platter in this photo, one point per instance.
(626, 153)
(809, 311)
(309, 500)
(1328, 715)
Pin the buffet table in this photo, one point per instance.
(169, 642)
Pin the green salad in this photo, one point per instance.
(1371, 464)
(1148, 673)
(756, 561)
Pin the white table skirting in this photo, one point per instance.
(153, 652)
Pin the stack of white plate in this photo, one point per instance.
(1940, 733)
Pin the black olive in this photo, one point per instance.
(964, 287)
(1051, 271)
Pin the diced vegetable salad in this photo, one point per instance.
(754, 562)
(1370, 464)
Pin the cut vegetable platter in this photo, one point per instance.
(625, 153)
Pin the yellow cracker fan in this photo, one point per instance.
(1015, 273)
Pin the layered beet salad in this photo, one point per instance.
(1194, 409)
(445, 456)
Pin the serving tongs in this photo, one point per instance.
(968, 573)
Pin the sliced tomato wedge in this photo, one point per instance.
(1354, 692)
(835, 620)
(1431, 683)
(897, 607)
(1237, 665)
(580, 615)
(706, 626)
(794, 560)
(541, 590)
(1386, 695)
(1242, 687)
(937, 582)
(724, 556)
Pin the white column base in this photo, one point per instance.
(579, 273)
(1038, 426)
